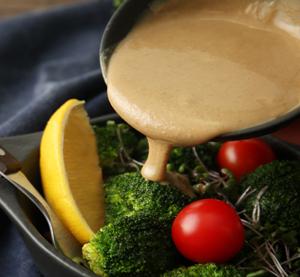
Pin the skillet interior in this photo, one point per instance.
(25, 216)
(30, 223)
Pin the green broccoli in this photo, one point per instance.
(129, 194)
(205, 270)
(182, 158)
(138, 245)
(121, 150)
(279, 204)
(110, 146)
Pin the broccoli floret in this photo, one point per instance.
(206, 270)
(129, 194)
(138, 245)
(279, 204)
(109, 146)
(112, 148)
(207, 152)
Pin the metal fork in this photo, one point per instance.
(61, 238)
(37, 203)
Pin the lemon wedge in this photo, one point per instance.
(70, 171)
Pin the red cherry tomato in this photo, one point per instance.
(208, 230)
(244, 156)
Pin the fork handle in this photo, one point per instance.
(8, 163)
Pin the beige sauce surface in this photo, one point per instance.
(192, 70)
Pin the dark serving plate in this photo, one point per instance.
(30, 223)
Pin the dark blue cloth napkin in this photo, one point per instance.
(46, 58)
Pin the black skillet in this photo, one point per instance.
(118, 27)
(30, 223)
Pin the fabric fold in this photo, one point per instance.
(46, 58)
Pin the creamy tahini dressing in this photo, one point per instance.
(191, 70)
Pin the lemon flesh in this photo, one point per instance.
(70, 171)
